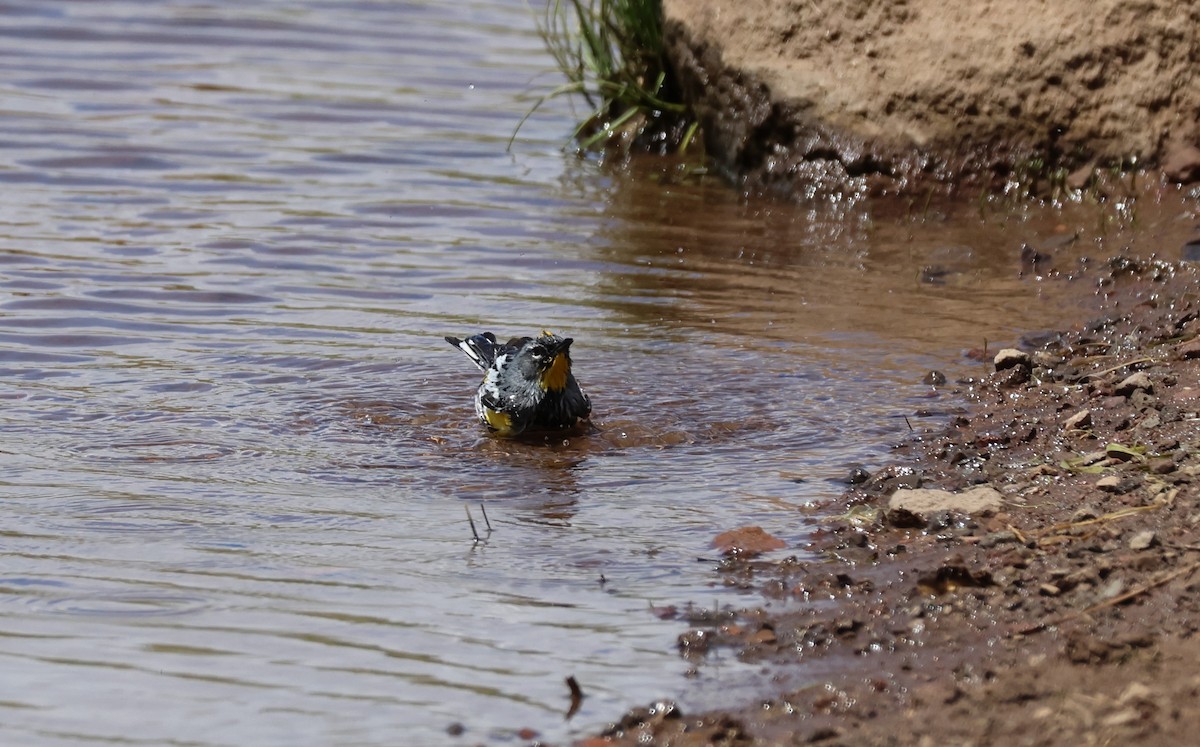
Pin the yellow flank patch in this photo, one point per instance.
(555, 378)
(501, 421)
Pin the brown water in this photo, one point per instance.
(236, 453)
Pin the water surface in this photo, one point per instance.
(237, 456)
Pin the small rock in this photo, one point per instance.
(1012, 377)
(952, 575)
(925, 502)
(1188, 350)
(902, 518)
(761, 637)
(1046, 359)
(1111, 589)
(1170, 444)
(650, 719)
(887, 480)
(1121, 718)
(694, 641)
(998, 538)
(1143, 540)
(1133, 383)
(1112, 403)
(1084, 514)
(1136, 693)
(1010, 357)
(1049, 590)
(1078, 421)
(846, 626)
(940, 520)
(1190, 251)
(934, 378)
(1181, 162)
(1031, 257)
(823, 733)
(747, 542)
(1043, 470)
(1141, 400)
(858, 475)
(1162, 465)
(1152, 420)
(1109, 484)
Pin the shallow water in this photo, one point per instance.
(238, 456)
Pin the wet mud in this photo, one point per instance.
(1026, 574)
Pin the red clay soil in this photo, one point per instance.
(1067, 615)
(833, 95)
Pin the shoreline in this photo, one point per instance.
(1061, 609)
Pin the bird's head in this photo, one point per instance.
(550, 358)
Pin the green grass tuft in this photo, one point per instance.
(611, 52)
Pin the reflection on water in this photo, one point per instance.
(237, 454)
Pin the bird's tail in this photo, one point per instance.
(481, 349)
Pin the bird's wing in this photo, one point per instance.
(481, 349)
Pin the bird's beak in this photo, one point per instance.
(561, 347)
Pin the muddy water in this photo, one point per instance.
(236, 457)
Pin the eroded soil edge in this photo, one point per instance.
(812, 97)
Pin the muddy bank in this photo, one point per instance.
(1029, 574)
(898, 97)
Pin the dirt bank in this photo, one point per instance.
(1027, 575)
(814, 95)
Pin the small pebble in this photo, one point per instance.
(1111, 589)
(1009, 358)
(1079, 421)
(1151, 421)
(761, 637)
(998, 538)
(1109, 484)
(1013, 376)
(1143, 540)
(695, 641)
(1137, 693)
(1162, 465)
(1188, 350)
(1136, 382)
(858, 475)
(1141, 400)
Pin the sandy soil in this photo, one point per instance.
(1064, 613)
(817, 94)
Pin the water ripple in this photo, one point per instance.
(238, 455)
(125, 605)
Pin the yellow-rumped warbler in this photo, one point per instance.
(527, 383)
